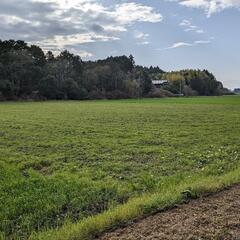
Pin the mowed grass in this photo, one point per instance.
(80, 168)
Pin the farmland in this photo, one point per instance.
(64, 161)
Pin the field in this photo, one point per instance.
(80, 168)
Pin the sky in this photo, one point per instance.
(171, 34)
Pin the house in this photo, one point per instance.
(236, 90)
(159, 83)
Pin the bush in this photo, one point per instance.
(96, 94)
(116, 94)
(48, 87)
(71, 89)
(187, 91)
(1, 97)
(159, 93)
(223, 91)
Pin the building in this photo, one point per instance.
(236, 90)
(159, 83)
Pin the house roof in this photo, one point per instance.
(157, 82)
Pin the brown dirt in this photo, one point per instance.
(215, 217)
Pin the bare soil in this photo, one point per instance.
(215, 217)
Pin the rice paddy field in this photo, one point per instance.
(73, 169)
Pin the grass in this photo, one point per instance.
(70, 170)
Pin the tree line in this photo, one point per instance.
(26, 72)
(194, 82)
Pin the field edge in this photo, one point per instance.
(140, 207)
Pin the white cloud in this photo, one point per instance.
(143, 37)
(210, 6)
(186, 44)
(85, 5)
(58, 43)
(80, 53)
(180, 44)
(199, 31)
(127, 13)
(140, 35)
(185, 23)
(188, 26)
(143, 43)
(57, 24)
(111, 28)
(202, 42)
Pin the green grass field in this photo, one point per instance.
(80, 168)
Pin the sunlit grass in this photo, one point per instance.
(61, 162)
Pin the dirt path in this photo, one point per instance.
(213, 217)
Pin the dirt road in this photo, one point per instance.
(215, 217)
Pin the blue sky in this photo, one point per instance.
(173, 34)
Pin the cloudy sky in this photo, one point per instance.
(173, 34)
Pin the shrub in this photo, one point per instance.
(159, 93)
(96, 94)
(116, 94)
(1, 97)
(187, 91)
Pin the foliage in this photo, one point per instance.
(193, 82)
(159, 93)
(27, 72)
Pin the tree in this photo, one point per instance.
(37, 55)
(145, 82)
(26, 71)
(48, 87)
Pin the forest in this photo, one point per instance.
(27, 72)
